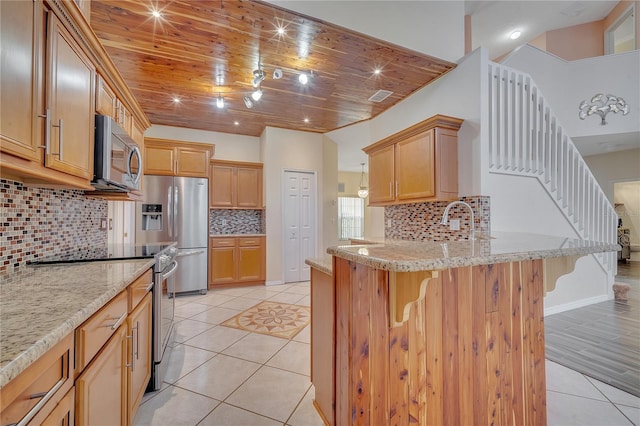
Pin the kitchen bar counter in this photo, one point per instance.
(235, 235)
(41, 305)
(437, 332)
(412, 256)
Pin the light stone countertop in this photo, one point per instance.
(41, 305)
(411, 256)
(323, 264)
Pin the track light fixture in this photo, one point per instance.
(258, 76)
(277, 74)
(303, 79)
(256, 95)
(248, 102)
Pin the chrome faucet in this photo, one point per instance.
(445, 217)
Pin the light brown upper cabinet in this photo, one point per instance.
(50, 59)
(176, 158)
(235, 185)
(417, 164)
(53, 129)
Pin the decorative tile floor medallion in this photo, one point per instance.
(272, 318)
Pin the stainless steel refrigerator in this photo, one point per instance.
(177, 209)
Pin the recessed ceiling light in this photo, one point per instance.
(281, 31)
(236, 123)
(377, 71)
(156, 14)
(306, 120)
(516, 34)
(176, 100)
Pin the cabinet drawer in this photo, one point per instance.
(95, 331)
(139, 288)
(223, 242)
(37, 390)
(249, 241)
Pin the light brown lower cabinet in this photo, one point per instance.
(236, 260)
(111, 387)
(101, 390)
(139, 323)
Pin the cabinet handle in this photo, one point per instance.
(59, 126)
(396, 189)
(390, 189)
(131, 364)
(148, 288)
(137, 329)
(118, 322)
(46, 396)
(37, 395)
(47, 131)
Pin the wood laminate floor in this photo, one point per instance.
(601, 340)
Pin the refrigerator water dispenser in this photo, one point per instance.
(152, 217)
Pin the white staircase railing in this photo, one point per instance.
(526, 139)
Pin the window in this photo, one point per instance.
(350, 217)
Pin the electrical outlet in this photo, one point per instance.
(389, 223)
(454, 225)
(224, 222)
(103, 223)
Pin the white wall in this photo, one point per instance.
(227, 146)
(567, 83)
(406, 23)
(627, 198)
(280, 150)
(619, 166)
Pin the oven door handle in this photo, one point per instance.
(189, 253)
(170, 272)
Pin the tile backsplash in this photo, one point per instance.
(421, 221)
(227, 221)
(38, 222)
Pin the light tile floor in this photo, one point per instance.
(223, 376)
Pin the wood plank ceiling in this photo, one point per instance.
(199, 50)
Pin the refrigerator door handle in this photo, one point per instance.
(176, 218)
(170, 212)
(189, 253)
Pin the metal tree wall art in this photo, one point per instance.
(602, 105)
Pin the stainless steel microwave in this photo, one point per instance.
(117, 159)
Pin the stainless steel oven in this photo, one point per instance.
(163, 313)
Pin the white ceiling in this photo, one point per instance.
(437, 28)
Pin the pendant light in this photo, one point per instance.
(363, 191)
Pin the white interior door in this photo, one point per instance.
(299, 224)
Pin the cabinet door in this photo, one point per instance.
(192, 162)
(159, 160)
(322, 343)
(381, 176)
(221, 186)
(71, 94)
(249, 187)
(250, 264)
(415, 167)
(20, 68)
(139, 322)
(222, 265)
(125, 119)
(106, 101)
(101, 389)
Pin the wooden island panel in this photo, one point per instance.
(470, 352)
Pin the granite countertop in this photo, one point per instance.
(323, 264)
(41, 305)
(410, 256)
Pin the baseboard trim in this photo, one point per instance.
(277, 282)
(577, 304)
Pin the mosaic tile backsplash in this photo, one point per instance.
(38, 222)
(227, 221)
(421, 221)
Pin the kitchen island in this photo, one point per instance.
(437, 333)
